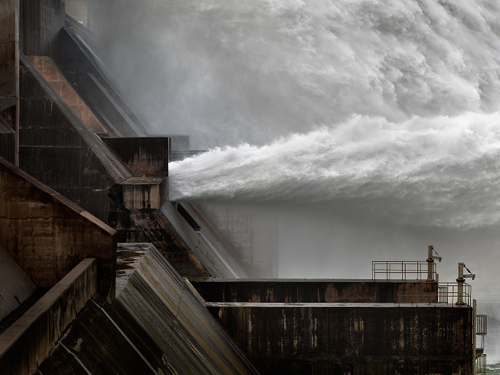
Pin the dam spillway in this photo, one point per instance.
(195, 289)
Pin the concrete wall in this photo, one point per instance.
(49, 70)
(48, 235)
(40, 25)
(350, 338)
(311, 291)
(144, 156)
(60, 151)
(8, 64)
(26, 343)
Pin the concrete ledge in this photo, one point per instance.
(28, 341)
(144, 192)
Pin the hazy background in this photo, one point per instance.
(371, 126)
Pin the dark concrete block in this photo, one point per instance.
(144, 156)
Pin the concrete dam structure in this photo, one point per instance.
(100, 273)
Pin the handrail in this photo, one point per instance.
(445, 294)
(402, 270)
(481, 324)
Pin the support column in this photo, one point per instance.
(9, 69)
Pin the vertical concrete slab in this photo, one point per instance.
(7, 54)
(40, 25)
(9, 76)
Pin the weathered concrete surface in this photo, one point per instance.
(144, 156)
(49, 70)
(8, 64)
(210, 249)
(153, 227)
(311, 291)
(59, 150)
(157, 325)
(350, 339)
(48, 235)
(15, 285)
(40, 25)
(137, 193)
(27, 342)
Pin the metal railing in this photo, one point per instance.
(481, 324)
(402, 270)
(445, 294)
(481, 364)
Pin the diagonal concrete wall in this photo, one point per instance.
(27, 342)
(49, 70)
(157, 325)
(58, 149)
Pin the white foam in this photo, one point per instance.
(440, 170)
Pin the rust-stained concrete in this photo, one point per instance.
(343, 338)
(58, 149)
(27, 342)
(15, 285)
(50, 71)
(311, 290)
(47, 234)
(157, 325)
(143, 193)
(152, 226)
(8, 63)
(144, 156)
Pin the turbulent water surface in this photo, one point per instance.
(382, 118)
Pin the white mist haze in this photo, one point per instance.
(373, 125)
(441, 171)
(232, 71)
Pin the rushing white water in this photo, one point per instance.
(389, 108)
(228, 72)
(435, 171)
(424, 76)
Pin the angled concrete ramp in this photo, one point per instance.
(158, 324)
